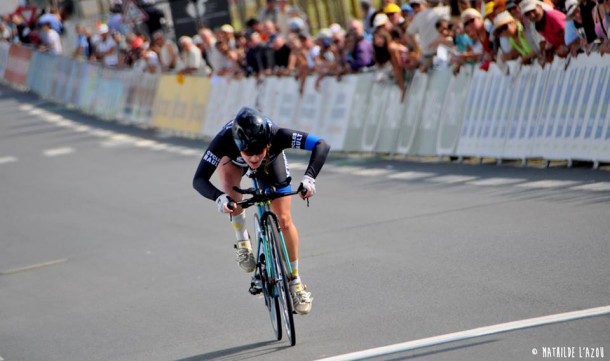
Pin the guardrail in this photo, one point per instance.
(559, 112)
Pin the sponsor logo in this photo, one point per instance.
(296, 140)
(211, 158)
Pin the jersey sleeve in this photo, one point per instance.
(289, 138)
(207, 166)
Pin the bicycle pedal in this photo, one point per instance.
(254, 290)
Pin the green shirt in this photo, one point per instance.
(520, 44)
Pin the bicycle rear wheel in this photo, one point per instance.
(281, 278)
(272, 303)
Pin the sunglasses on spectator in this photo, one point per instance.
(502, 29)
(468, 22)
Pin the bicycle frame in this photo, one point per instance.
(264, 211)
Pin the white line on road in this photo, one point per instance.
(496, 181)
(547, 184)
(450, 179)
(469, 334)
(411, 175)
(9, 159)
(372, 172)
(597, 187)
(32, 267)
(58, 151)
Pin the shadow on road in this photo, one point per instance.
(242, 352)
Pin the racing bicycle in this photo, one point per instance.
(272, 272)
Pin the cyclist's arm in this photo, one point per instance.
(289, 138)
(208, 164)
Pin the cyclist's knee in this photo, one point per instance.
(285, 220)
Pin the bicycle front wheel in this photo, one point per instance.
(272, 303)
(281, 277)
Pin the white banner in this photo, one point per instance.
(4, 49)
(416, 94)
(452, 112)
(427, 131)
(336, 113)
(359, 112)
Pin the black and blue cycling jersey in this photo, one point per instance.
(273, 172)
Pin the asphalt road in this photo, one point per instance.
(107, 253)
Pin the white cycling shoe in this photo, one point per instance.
(244, 256)
(301, 298)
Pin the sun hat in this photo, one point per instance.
(502, 19)
(571, 6)
(527, 6)
(469, 14)
(380, 19)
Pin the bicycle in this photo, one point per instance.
(272, 261)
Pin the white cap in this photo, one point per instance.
(380, 19)
(571, 6)
(102, 29)
(527, 6)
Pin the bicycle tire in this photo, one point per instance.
(283, 292)
(272, 303)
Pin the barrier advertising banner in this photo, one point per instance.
(4, 50)
(358, 112)
(452, 112)
(414, 99)
(16, 70)
(181, 103)
(336, 114)
(427, 131)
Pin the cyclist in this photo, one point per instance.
(253, 141)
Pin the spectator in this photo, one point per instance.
(256, 55)
(586, 13)
(575, 36)
(53, 19)
(145, 60)
(407, 13)
(228, 65)
(482, 50)
(50, 41)
(506, 26)
(281, 55)
(395, 16)
(166, 49)
(106, 49)
(550, 24)
(190, 56)
(5, 32)
(115, 21)
(601, 19)
(369, 12)
(133, 53)
(359, 49)
(445, 41)
(227, 34)
(326, 60)
(297, 63)
(23, 30)
(390, 56)
(82, 50)
(423, 24)
(529, 29)
(268, 13)
(418, 6)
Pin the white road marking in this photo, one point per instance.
(102, 133)
(372, 172)
(26, 107)
(469, 334)
(344, 169)
(58, 151)
(297, 166)
(8, 159)
(547, 184)
(32, 267)
(411, 175)
(496, 181)
(597, 187)
(189, 152)
(450, 179)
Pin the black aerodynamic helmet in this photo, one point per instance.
(251, 131)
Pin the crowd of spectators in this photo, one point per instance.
(393, 39)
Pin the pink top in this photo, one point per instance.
(553, 27)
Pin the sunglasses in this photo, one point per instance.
(468, 22)
(502, 29)
(254, 150)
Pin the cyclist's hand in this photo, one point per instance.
(307, 187)
(223, 203)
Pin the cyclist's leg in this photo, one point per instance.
(230, 175)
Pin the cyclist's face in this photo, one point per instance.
(254, 160)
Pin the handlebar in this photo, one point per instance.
(261, 196)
